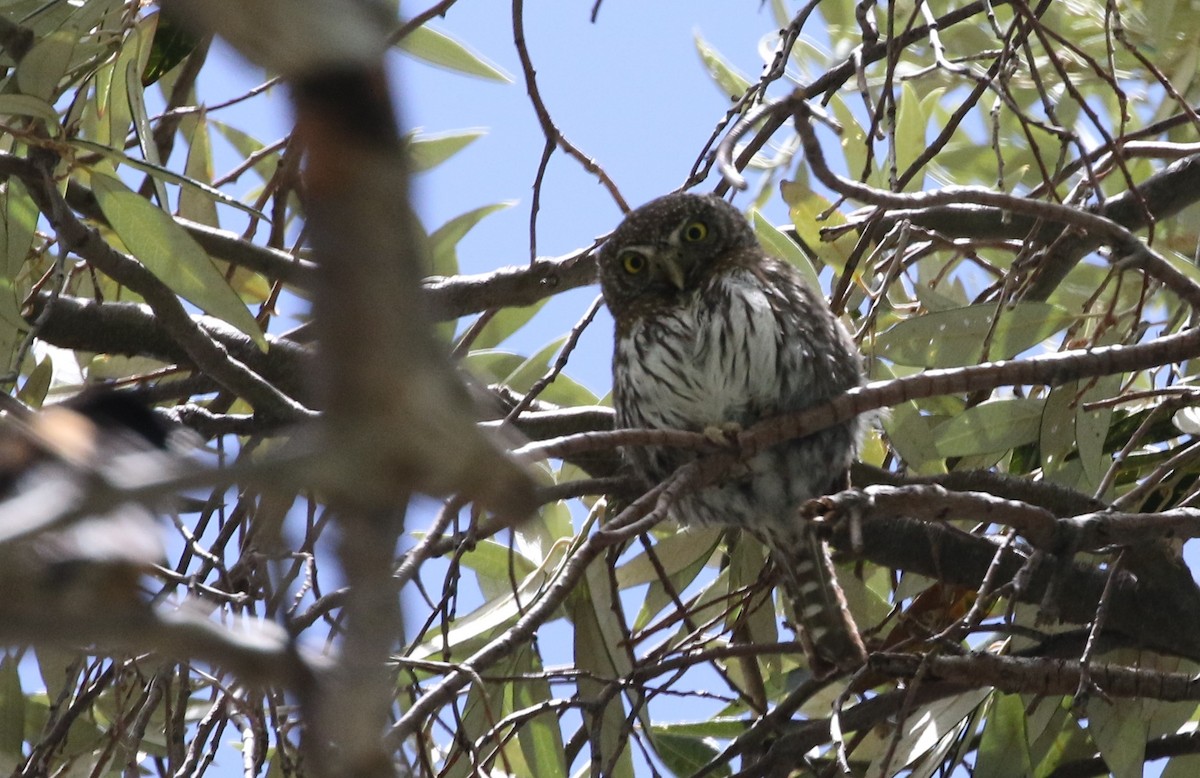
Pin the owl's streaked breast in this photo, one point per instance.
(734, 350)
(694, 368)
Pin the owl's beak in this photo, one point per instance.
(671, 269)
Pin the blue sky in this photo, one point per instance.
(629, 90)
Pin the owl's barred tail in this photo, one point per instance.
(827, 630)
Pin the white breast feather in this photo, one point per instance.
(729, 380)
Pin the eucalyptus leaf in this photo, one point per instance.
(955, 338)
(438, 48)
(780, 245)
(27, 105)
(12, 708)
(443, 241)
(427, 151)
(1004, 746)
(172, 255)
(998, 425)
(732, 83)
(165, 174)
(685, 755)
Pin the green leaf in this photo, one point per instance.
(440, 49)
(563, 390)
(1091, 427)
(685, 755)
(805, 207)
(722, 727)
(993, 426)
(117, 103)
(497, 566)
(443, 242)
(927, 729)
(33, 392)
(172, 45)
(504, 324)
(779, 244)
(429, 151)
(141, 127)
(540, 737)
(1004, 745)
(12, 708)
(469, 632)
(26, 105)
(172, 255)
(42, 69)
(195, 203)
(955, 338)
(912, 435)
(682, 556)
(728, 80)
(1119, 732)
(17, 227)
(248, 146)
(601, 653)
(158, 171)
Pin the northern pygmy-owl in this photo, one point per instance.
(710, 331)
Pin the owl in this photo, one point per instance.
(711, 332)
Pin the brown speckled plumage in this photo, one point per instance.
(711, 331)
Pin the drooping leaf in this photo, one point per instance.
(806, 208)
(728, 80)
(43, 67)
(12, 708)
(956, 338)
(1004, 747)
(601, 653)
(993, 426)
(193, 204)
(171, 254)
(170, 176)
(26, 105)
(172, 45)
(443, 241)
(540, 737)
(438, 48)
(427, 151)
(685, 755)
(779, 245)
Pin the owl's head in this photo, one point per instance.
(669, 246)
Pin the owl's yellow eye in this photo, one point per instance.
(633, 262)
(695, 232)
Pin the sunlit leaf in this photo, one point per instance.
(1004, 747)
(806, 207)
(170, 176)
(443, 241)
(438, 48)
(998, 425)
(427, 151)
(728, 80)
(955, 338)
(685, 755)
(779, 245)
(25, 105)
(44, 66)
(505, 323)
(160, 244)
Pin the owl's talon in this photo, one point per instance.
(724, 434)
(848, 506)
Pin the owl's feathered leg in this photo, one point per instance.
(827, 630)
